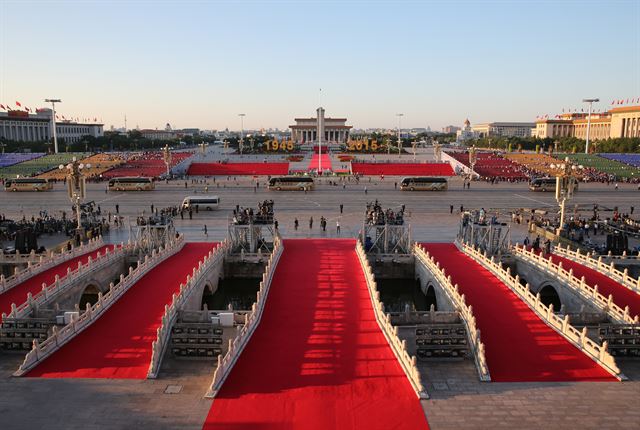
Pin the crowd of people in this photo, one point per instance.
(376, 215)
(263, 215)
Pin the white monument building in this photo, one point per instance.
(466, 133)
(332, 130)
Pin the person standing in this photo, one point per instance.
(365, 190)
(311, 223)
(450, 209)
(275, 224)
(117, 208)
(341, 207)
(295, 224)
(338, 228)
(206, 233)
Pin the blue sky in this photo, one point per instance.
(199, 64)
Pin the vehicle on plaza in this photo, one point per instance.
(202, 202)
(424, 183)
(131, 183)
(28, 184)
(546, 184)
(296, 183)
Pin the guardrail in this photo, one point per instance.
(466, 311)
(60, 285)
(579, 339)
(170, 316)
(585, 291)
(236, 346)
(41, 351)
(609, 270)
(408, 363)
(47, 262)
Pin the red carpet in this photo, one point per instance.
(318, 359)
(239, 169)
(520, 347)
(33, 285)
(315, 162)
(118, 344)
(403, 169)
(622, 296)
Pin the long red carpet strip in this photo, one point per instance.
(520, 347)
(33, 285)
(118, 344)
(317, 158)
(318, 359)
(622, 296)
(230, 169)
(402, 169)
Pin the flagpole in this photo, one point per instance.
(53, 121)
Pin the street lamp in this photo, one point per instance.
(565, 183)
(166, 156)
(76, 186)
(53, 121)
(590, 101)
(399, 115)
(473, 157)
(241, 145)
(437, 151)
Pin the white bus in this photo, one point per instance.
(28, 184)
(420, 183)
(297, 183)
(202, 202)
(137, 183)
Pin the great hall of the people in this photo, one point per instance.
(617, 122)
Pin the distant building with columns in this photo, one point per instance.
(616, 122)
(307, 130)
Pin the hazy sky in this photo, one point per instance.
(199, 64)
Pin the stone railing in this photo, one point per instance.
(170, 316)
(47, 262)
(60, 285)
(41, 351)
(236, 346)
(597, 264)
(579, 286)
(579, 339)
(466, 311)
(399, 347)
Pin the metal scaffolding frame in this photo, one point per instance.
(386, 238)
(492, 237)
(251, 238)
(151, 235)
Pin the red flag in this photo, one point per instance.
(2, 106)
(627, 101)
(18, 104)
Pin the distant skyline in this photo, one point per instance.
(200, 64)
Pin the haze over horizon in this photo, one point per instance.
(199, 64)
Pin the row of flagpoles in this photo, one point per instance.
(19, 107)
(616, 102)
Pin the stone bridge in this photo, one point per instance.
(552, 289)
(431, 287)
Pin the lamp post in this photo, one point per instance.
(590, 101)
(166, 156)
(473, 157)
(399, 115)
(53, 122)
(437, 151)
(76, 187)
(241, 145)
(565, 183)
(203, 149)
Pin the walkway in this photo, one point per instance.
(118, 344)
(318, 359)
(33, 285)
(320, 162)
(520, 347)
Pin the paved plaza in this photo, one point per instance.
(175, 400)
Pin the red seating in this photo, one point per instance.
(491, 165)
(149, 164)
(240, 169)
(403, 169)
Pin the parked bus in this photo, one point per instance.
(418, 183)
(138, 183)
(202, 202)
(547, 184)
(28, 184)
(299, 183)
